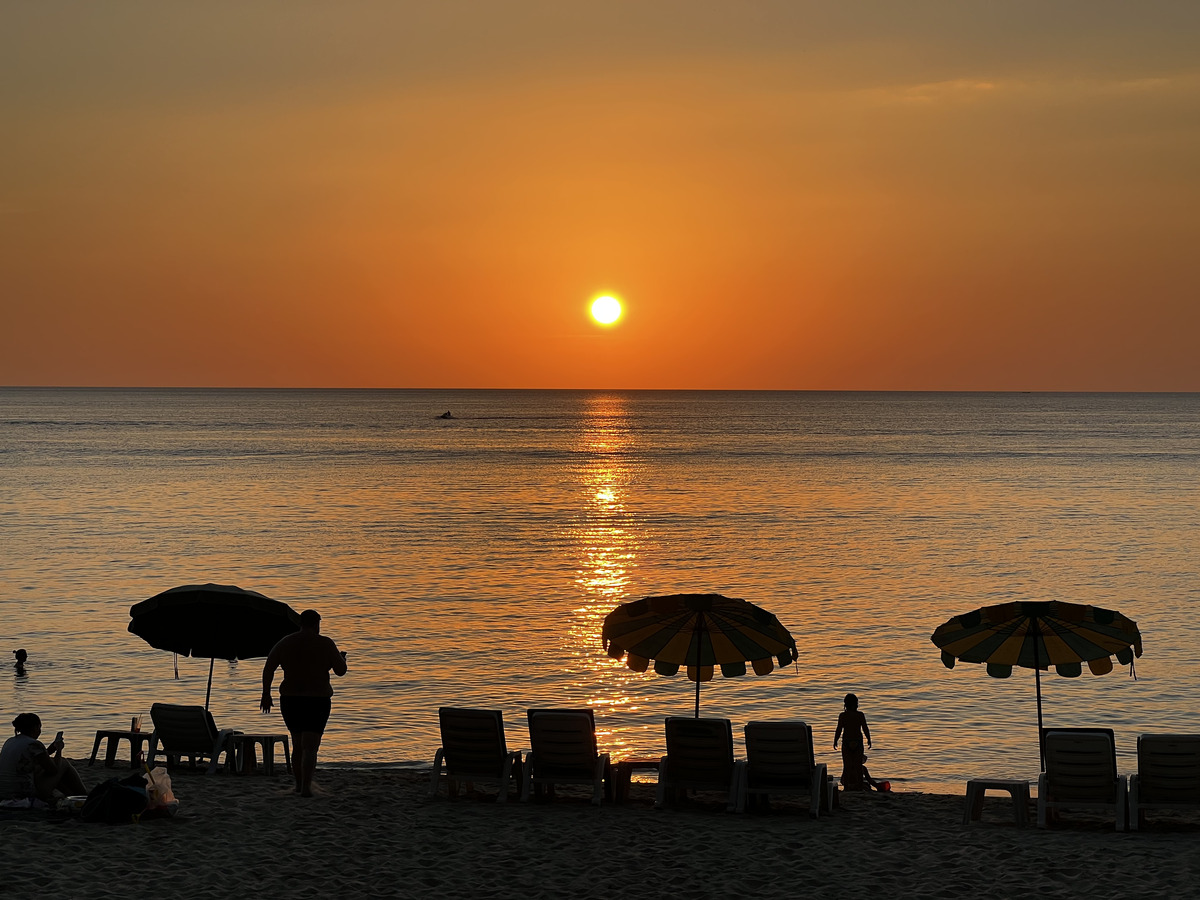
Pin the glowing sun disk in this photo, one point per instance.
(606, 310)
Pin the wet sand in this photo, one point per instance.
(376, 832)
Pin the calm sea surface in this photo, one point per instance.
(470, 561)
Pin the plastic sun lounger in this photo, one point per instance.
(779, 760)
(473, 749)
(188, 731)
(1081, 772)
(563, 751)
(700, 757)
(1168, 775)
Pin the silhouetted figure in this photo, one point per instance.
(304, 694)
(21, 656)
(881, 786)
(446, 415)
(851, 728)
(28, 770)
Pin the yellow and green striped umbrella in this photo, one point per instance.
(1036, 635)
(699, 632)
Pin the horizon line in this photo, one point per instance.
(118, 387)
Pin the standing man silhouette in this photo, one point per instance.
(307, 658)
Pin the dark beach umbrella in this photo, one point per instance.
(699, 631)
(1036, 635)
(218, 621)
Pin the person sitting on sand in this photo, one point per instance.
(304, 694)
(881, 786)
(27, 769)
(851, 727)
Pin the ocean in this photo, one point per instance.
(470, 561)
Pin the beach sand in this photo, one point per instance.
(375, 832)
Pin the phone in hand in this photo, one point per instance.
(58, 738)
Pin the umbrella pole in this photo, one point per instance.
(1037, 680)
(699, 647)
(211, 662)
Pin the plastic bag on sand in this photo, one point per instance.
(162, 798)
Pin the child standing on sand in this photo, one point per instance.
(851, 727)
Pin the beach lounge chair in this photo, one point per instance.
(473, 749)
(1168, 775)
(779, 760)
(1081, 772)
(563, 751)
(188, 731)
(700, 757)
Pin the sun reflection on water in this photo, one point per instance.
(608, 540)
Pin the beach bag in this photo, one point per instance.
(160, 798)
(117, 801)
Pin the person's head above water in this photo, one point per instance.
(310, 618)
(28, 723)
(21, 655)
(851, 702)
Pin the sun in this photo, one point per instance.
(606, 310)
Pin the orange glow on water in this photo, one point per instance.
(471, 561)
(608, 543)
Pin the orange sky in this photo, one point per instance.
(786, 195)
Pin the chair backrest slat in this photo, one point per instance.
(1169, 767)
(1081, 763)
(699, 750)
(562, 740)
(473, 741)
(183, 728)
(779, 753)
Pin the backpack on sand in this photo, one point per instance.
(116, 801)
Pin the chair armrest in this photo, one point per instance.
(660, 795)
(437, 771)
(1122, 804)
(820, 789)
(224, 743)
(599, 773)
(527, 776)
(738, 785)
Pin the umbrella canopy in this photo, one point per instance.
(213, 620)
(1036, 635)
(699, 631)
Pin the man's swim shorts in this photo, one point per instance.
(305, 713)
